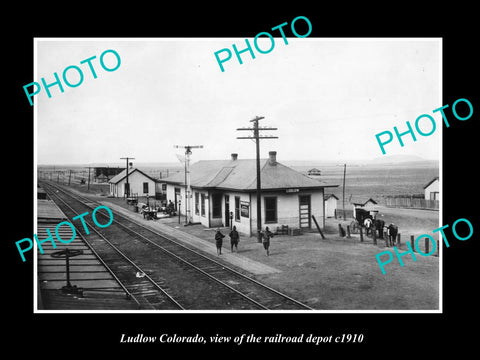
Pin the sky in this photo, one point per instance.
(327, 97)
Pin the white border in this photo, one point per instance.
(35, 144)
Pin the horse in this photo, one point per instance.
(379, 225)
(369, 222)
(392, 231)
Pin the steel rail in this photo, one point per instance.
(124, 256)
(128, 294)
(178, 258)
(167, 237)
(193, 266)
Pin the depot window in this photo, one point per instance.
(271, 209)
(202, 204)
(237, 208)
(197, 204)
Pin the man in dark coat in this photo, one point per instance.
(266, 236)
(219, 241)
(234, 238)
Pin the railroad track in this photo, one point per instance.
(207, 283)
(146, 292)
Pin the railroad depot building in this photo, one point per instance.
(224, 194)
(139, 183)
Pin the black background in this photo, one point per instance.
(385, 334)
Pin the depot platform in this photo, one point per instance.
(195, 236)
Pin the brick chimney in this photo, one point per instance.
(234, 157)
(272, 157)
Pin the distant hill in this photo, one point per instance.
(397, 159)
(400, 160)
(403, 160)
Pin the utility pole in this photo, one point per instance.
(256, 136)
(188, 189)
(127, 185)
(88, 180)
(69, 176)
(343, 197)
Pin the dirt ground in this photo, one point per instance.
(339, 273)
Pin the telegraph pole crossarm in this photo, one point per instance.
(257, 137)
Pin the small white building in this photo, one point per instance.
(314, 172)
(330, 205)
(432, 189)
(139, 183)
(224, 194)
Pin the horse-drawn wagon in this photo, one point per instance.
(367, 220)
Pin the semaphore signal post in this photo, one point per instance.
(188, 190)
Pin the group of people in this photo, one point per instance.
(235, 239)
(170, 208)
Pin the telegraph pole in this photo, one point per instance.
(188, 190)
(256, 136)
(88, 181)
(127, 185)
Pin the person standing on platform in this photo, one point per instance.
(266, 236)
(219, 241)
(234, 238)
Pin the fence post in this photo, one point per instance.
(412, 242)
(399, 237)
(427, 245)
(361, 234)
(318, 227)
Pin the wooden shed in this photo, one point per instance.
(139, 183)
(330, 205)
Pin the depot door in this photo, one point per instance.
(227, 210)
(177, 199)
(305, 211)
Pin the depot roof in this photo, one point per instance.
(241, 175)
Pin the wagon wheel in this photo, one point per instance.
(354, 227)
